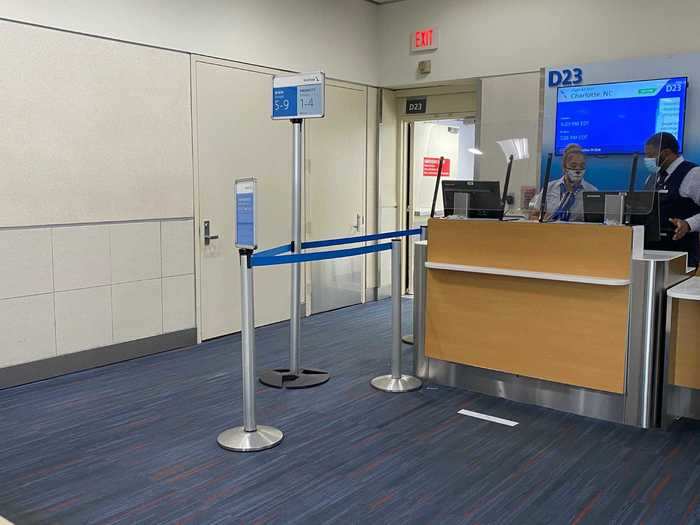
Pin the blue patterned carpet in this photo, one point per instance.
(136, 443)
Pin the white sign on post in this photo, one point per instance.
(298, 96)
(246, 235)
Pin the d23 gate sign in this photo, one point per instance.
(430, 167)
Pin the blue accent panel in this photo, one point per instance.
(256, 260)
(284, 102)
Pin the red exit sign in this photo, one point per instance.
(424, 39)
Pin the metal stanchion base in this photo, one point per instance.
(282, 378)
(388, 383)
(408, 339)
(238, 440)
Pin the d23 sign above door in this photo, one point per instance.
(431, 164)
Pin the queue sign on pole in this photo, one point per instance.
(298, 96)
(249, 437)
(246, 237)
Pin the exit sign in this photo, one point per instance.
(424, 39)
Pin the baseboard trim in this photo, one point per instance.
(87, 359)
(383, 292)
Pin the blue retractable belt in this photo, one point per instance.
(275, 256)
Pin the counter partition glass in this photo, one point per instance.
(501, 177)
(510, 175)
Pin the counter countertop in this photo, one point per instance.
(689, 290)
(584, 279)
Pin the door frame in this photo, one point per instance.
(406, 125)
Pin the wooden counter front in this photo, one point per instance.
(580, 249)
(684, 357)
(565, 332)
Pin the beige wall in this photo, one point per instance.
(96, 208)
(338, 36)
(510, 108)
(495, 37)
(96, 204)
(92, 130)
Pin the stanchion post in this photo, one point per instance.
(395, 309)
(295, 327)
(420, 362)
(396, 381)
(250, 437)
(410, 339)
(295, 376)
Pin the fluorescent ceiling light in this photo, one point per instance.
(475, 151)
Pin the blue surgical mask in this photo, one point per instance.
(650, 163)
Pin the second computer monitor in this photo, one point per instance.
(475, 199)
(642, 208)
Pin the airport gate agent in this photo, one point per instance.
(563, 194)
(678, 180)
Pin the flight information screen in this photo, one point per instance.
(607, 119)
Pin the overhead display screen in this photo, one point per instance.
(610, 119)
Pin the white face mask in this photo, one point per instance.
(650, 163)
(575, 176)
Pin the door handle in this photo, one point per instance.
(358, 223)
(207, 237)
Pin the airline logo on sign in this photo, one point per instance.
(424, 39)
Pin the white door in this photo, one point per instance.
(335, 188)
(235, 138)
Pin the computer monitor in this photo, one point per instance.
(641, 206)
(480, 199)
(594, 205)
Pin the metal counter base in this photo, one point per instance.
(682, 402)
(575, 400)
(679, 401)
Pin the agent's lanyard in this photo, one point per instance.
(568, 199)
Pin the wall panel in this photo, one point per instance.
(92, 130)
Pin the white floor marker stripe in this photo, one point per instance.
(486, 417)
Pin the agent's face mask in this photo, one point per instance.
(650, 164)
(575, 176)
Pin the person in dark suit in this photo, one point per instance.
(678, 183)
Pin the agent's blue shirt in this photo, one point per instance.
(568, 206)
